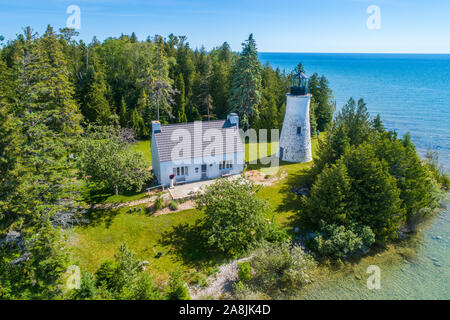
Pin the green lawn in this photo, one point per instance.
(283, 203)
(144, 147)
(171, 234)
(145, 234)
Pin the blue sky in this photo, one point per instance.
(407, 26)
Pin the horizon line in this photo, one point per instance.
(331, 52)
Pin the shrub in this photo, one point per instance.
(173, 205)
(176, 289)
(244, 271)
(87, 290)
(280, 267)
(159, 202)
(436, 170)
(234, 216)
(122, 278)
(105, 273)
(276, 234)
(243, 291)
(340, 242)
(200, 280)
(143, 288)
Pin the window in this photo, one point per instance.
(226, 165)
(181, 171)
(196, 170)
(299, 130)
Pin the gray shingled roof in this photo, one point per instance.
(230, 136)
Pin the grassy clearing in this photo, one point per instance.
(283, 202)
(145, 234)
(144, 147)
(173, 234)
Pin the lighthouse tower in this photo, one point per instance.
(295, 139)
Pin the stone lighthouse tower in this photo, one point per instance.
(295, 139)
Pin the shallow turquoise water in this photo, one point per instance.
(425, 276)
(412, 94)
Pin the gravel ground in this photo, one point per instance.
(220, 284)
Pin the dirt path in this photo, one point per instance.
(256, 176)
(113, 206)
(220, 284)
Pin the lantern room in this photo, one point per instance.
(299, 84)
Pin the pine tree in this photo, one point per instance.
(245, 96)
(96, 106)
(322, 94)
(374, 193)
(330, 197)
(416, 187)
(312, 118)
(161, 86)
(43, 197)
(186, 67)
(50, 122)
(355, 117)
(378, 124)
(123, 113)
(220, 82)
(331, 149)
(10, 139)
(180, 102)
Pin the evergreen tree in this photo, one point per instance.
(161, 86)
(374, 194)
(312, 118)
(186, 67)
(330, 197)
(49, 120)
(378, 124)
(41, 194)
(322, 94)
(180, 100)
(96, 105)
(245, 97)
(220, 87)
(123, 114)
(416, 187)
(355, 117)
(330, 150)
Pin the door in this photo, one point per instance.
(204, 175)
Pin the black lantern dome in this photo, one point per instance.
(299, 84)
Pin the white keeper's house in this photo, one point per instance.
(190, 152)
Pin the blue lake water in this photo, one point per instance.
(412, 94)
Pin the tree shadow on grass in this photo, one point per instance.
(100, 195)
(187, 242)
(101, 217)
